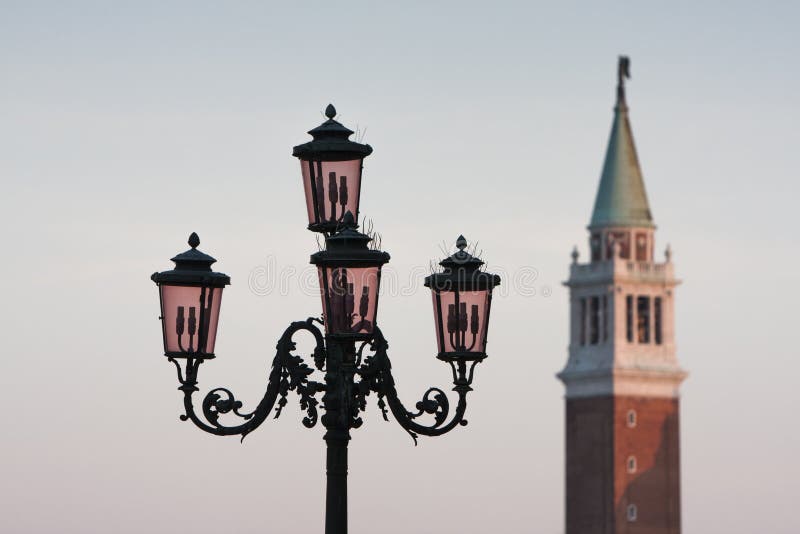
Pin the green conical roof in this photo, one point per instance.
(621, 197)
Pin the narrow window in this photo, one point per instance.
(622, 239)
(629, 318)
(606, 318)
(583, 321)
(609, 246)
(643, 319)
(594, 320)
(595, 246)
(632, 513)
(657, 319)
(625, 245)
(641, 247)
(631, 464)
(630, 418)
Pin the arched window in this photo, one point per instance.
(594, 320)
(582, 326)
(595, 246)
(657, 320)
(629, 318)
(632, 513)
(622, 240)
(641, 247)
(631, 464)
(643, 319)
(630, 418)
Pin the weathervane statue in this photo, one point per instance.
(623, 71)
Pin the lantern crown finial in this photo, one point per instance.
(461, 257)
(348, 220)
(330, 111)
(192, 267)
(331, 142)
(462, 270)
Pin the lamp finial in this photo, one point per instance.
(330, 111)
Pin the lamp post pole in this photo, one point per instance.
(352, 353)
(339, 383)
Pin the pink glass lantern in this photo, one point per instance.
(190, 295)
(462, 298)
(349, 275)
(190, 317)
(350, 296)
(331, 167)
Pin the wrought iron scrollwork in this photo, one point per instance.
(289, 372)
(375, 371)
(345, 397)
(215, 404)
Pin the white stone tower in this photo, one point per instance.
(622, 376)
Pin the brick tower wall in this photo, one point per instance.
(654, 488)
(590, 465)
(599, 486)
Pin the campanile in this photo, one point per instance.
(622, 375)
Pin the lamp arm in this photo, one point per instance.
(288, 373)
(376, 375)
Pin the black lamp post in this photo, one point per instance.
(352, 352)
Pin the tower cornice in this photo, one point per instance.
(637, 381)
(619, 270)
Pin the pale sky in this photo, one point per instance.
(124, 127)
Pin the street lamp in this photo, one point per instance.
(352, 352)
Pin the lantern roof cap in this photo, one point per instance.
(193, 258)
(349, 247)
(192, 267)
(461, 258)
(462, 270)
(331, 142)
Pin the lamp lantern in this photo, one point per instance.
(331, 166)
(190, 296)
(350, 277)
(462, 299)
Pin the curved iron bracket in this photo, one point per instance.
(376, 375)
(289, 373)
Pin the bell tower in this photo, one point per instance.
(622, 376)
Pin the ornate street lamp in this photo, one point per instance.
(352, 351)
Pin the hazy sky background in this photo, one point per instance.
(124, 127)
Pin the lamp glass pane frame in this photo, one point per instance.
(323, 180)
(449, 307)
(352, 300)
(172, 297)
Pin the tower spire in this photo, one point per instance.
(621, 198)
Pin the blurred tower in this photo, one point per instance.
(622, 376)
